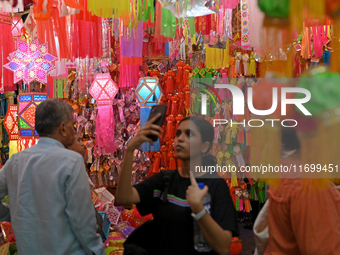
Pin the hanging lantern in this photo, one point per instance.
(28, 103)
(104, 90)
(11, 125)
(17, 25)
(30, 61)
(148, 93)
(236, 246)
(10, 122)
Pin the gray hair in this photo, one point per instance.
(50, 114)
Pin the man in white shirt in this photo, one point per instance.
(50, 202)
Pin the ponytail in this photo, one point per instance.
(209, 160)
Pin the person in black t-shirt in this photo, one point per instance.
(174, 220)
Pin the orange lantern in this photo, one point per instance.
(236, 246)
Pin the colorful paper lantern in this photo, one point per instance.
(10, 122)
(104, 90)
(30, 61)
(236, 246)
(148, 93)
(17, 25)
(11, 125)
(28, 103)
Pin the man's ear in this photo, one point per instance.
(62, 129)
(205, 147)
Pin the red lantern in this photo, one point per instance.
(172, 163)
(174, 105)
(156, 163)
(170, 76)
(170, 127)
(236, 246)
(164, 151)
(10, 122)
(179, 76)
(187, 99)
(179, 118)
(186, 75)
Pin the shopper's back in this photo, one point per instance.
(50, 204)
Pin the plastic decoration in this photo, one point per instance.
(30, 61)
(10, 122)
(245, 42)
(196, 8)
(148, 93)
(28, 103)
(104, 90)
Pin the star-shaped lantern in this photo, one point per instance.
(10, 122)
(103, 88)
(30, 61)
(149, 91)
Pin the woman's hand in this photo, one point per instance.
(147, 129)
(195, 195)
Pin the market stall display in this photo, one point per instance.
(113, 61)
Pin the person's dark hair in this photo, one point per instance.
(207, 135)
(289, 139)
(50, 114)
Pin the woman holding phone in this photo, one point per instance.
(174, 220)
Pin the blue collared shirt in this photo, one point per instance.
(50, 203)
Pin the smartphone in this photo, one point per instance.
(154, 111)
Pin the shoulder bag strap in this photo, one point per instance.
(167, 178)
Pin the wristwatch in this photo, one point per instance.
(199, 215)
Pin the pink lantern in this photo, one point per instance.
(104, 90)
(17, 25)
(30, 61)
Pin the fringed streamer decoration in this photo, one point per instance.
(87, 38)
(131, 47)
(55, 27)
(7, 44)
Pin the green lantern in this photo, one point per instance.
(324, 88)
(275, 8)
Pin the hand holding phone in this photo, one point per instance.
(152, 130)
(159, 121)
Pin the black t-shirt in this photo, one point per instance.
(175, 229)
